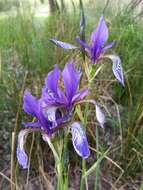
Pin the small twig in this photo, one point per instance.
(109, 159)
(107, 181)
(8, 179)
(106, 5)
(28, 172)
(47, 182)
(12, 159)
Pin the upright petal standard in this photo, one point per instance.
(98, 40)
(69, 94)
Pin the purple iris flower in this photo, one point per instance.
(97, 48)
(53, 109)
(48, 109)
(98, 40)
(52, 93)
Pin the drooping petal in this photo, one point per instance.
(110, 45)
(64, 45)
(100, 35)
(71, 79)
(100, 115)
(30, 103)
(21, 154)
(82, 43)
(34, 107)
(80, 95)
(79, 140)
(117, 68)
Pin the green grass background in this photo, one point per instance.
(26, 52)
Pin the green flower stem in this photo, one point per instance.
(83, 174)
(58, 162)
(60, 181)
(97, 171)
(65, 161)
(62, 165)
(91, 72)
(85, 120)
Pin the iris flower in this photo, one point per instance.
(98, 40)
(53, 109)
(97, 48)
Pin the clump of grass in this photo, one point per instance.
(128, 32)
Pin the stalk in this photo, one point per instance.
(57, 162)
(65, 161)
(90, 74)
(60, 180)
(83, 174)
(97, 171)
(83, 160)
(62, 165)
(12, 161)
(59, 150)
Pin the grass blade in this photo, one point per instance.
(95, 165)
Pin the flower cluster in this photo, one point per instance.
(60, 95)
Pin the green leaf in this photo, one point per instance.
(93, 71)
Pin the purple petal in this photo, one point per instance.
(49, 117)
(117, 68)
(30, 103)
(51, 81)
(98, 39)
(79, 140)
(80, 95)
(82, 43)
(32, 124)
(61, 120)
(52, 115)
(21, 154)
(100, 115)
(51, 93)
(71, 79)
(50, 98)
(110, 45)
(43, 118)
(63, 44)
(100, 35)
